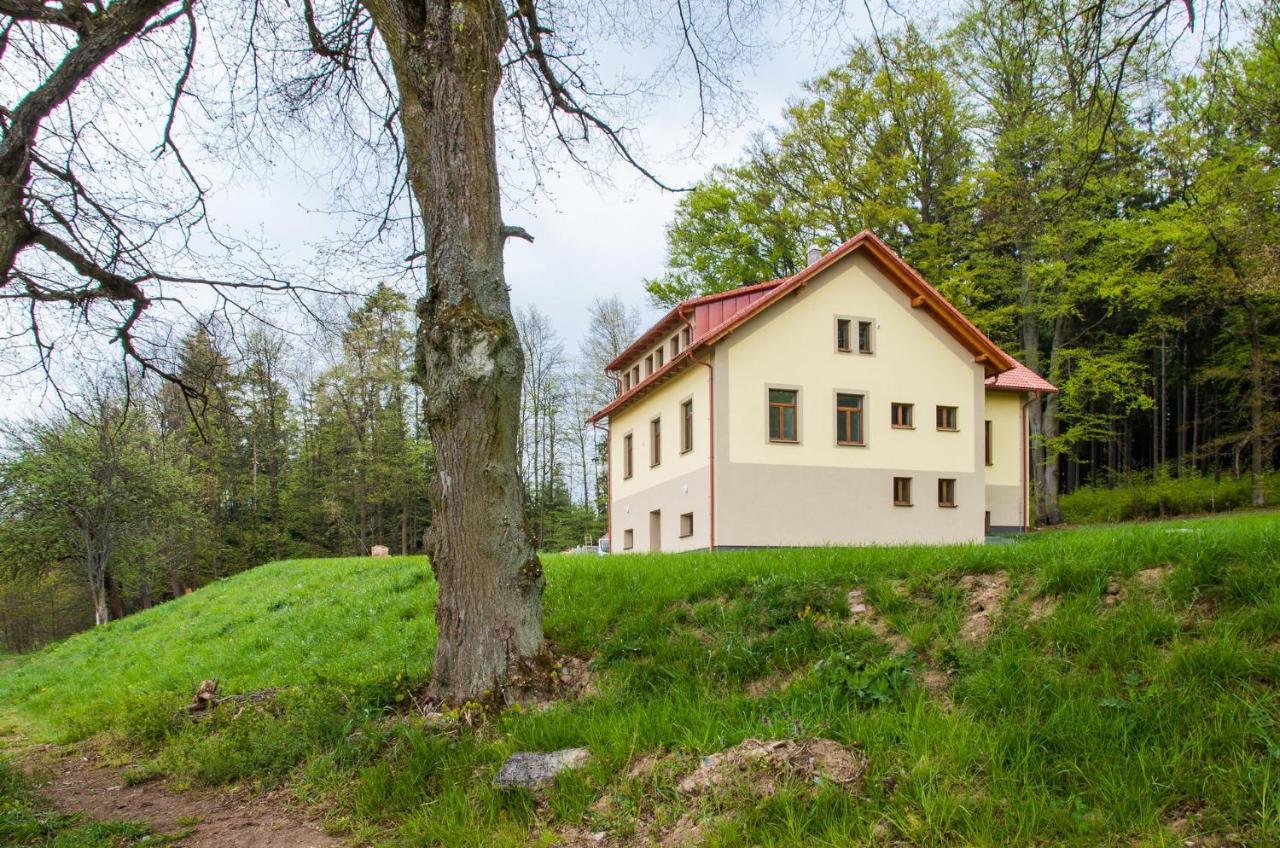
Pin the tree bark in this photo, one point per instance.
(469, 363)
(1257, 403)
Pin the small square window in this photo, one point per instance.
(946, 492)
(686, 525)
(844, 332)
(902, 491)
(904, 416)
(947, 418)
(864, 337)
(628, 539)
(782, 415)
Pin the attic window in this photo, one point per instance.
(675, 345)
(635, 375)
(658, 357)
(648, 365)
(685, 335)
(864, 337)
(844, 329)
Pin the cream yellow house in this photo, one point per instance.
(848, 404)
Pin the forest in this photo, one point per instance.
(131, 496)
(1123, 242)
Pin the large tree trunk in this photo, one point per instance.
(469, 363)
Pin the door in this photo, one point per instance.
(655, 530)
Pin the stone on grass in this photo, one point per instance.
(531, 769)
(379, 550)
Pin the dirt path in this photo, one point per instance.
(76, 783)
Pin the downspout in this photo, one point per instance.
(711, 435)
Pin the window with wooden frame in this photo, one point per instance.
(686, 525)
(782, 415)
(648, 365)
(986, 442)
(686, 426)
(635, 375)
(844, 335)
(865, 333)
(627, 466)
(655, 442)
(675, 345)
(685, 336)
(658, 357)
(947, 418)
(849, 429)
(628, 539)
(946, 492)
(903, 416)
(902, 491)
(626, 381)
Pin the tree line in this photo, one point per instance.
(293, 446)
(1110, 217)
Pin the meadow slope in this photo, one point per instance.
(1119, 688)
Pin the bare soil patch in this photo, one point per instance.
(986, 594)
(758, 765)
(79, 783)
(862, 612)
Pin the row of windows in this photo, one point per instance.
(656, 359)
(784, 422)
(902, 491)
(655, 523)
(655, 440)
(844, 335)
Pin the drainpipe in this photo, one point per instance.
(711, 434)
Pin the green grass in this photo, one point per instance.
(24, 823)
(1095, 725)
(1159, 496)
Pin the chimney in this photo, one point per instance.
(815, 253)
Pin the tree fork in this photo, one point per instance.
(468, 357)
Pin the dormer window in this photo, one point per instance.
(635, 375)
(648, 365)
(675, 345)
(658, 357)
(626, 381)
(685, 335)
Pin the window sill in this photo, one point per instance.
(784, 441)
(946, 506)
(902, 426)
(684, 451)
(851, 444)
(948, 429)
(900, 503)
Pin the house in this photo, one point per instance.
(850, 403)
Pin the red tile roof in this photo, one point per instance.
(1020, 378)
(718, 315)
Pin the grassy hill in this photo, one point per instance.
(1125, 694)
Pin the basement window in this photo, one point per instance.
(946, 492)
(686, 525)
(902, 491)
(628, 539)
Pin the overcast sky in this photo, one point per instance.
(596, 234)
